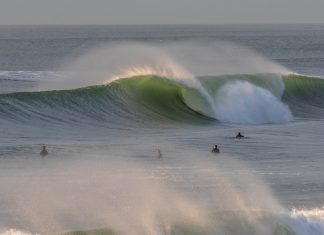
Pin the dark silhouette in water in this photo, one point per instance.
(239, 135)
(215, 149)
(44, 152)
(159, 153)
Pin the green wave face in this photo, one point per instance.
(166, 98)
(305, 96)
(251, 99)
(138, 100)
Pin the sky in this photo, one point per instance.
(161, 11)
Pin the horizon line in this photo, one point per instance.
(159, 24)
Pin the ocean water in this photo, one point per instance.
(105, 100)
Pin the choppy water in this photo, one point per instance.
(104, 99)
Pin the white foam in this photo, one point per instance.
(15, 232)
(317, 213)
(245, 103)
(307, 222)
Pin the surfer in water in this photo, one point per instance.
(44, 152)
(215, 149)
(159, 153)
(239, 135)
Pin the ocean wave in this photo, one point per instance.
(27, 76)
(244, 99)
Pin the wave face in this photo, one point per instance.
(134, 100)
(242, 99)
(305, 96)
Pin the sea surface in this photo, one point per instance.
(129, 115)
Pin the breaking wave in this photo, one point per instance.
(249, 99)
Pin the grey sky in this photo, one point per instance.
(160, 11)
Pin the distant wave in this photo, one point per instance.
(27, 76)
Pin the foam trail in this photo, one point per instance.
(243, 102)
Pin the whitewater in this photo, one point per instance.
(106, 101)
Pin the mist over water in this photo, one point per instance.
(177, 60)
(148, 195)
(138, 198)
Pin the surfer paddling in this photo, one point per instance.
(215, 149)
(44, 152)
(239, 135)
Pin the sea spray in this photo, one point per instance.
(111, 63)
(187, 191)
(135, 198)
(180, 60)
(205, 57)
